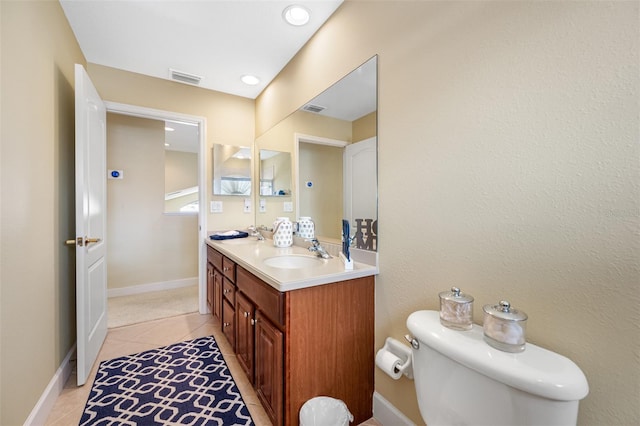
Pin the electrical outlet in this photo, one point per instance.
(263, 205)
(247, 205)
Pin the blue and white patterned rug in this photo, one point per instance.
(186, 383)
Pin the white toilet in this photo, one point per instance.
(461, 380)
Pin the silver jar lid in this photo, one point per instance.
(455, 296)
(503, 310)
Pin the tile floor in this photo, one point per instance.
(150, 335)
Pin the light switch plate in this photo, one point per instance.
(216, 207)
(287, 206)
(247, 205)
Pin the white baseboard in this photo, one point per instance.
(145, 288)
(385, 413)
(43, 407)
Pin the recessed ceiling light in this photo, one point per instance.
(251, 80)
(296, 15)
(169, 129)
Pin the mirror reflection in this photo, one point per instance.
(335, 159)
(181, 146)
(231, 170)
(275, 173)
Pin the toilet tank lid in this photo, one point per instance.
(536, 370)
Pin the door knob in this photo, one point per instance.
(77, 241)
(82, 241)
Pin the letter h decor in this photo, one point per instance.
(366, 234)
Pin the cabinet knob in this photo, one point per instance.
(254, 321)
(246, 314)
(226, 324)
(226, 291)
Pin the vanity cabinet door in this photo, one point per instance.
(210, 287)
(228, 323)
(216, 309)
(269, 368)
(245, 319)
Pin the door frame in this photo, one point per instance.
(156, 114)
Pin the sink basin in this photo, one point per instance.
(293, 261)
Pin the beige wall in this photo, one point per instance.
(230, 121)
(508, 166)
(365, 127)
(322, 165)
(144, 245)
(37, 289)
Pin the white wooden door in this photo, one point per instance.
(361, 191)
(91, 197)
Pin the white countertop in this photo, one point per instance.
(251, 253)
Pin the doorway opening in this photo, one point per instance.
(157, 207)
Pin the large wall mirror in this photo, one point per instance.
(333, 141)
(231, 170)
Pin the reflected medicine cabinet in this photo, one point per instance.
(231, 170)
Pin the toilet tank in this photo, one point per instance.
(461, 380)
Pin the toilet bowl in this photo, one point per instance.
(460, 380)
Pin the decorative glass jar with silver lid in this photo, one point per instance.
(456, 309)
(504, 327)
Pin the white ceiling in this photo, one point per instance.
(219, 40)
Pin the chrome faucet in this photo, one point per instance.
(253, 232)
(318, 249)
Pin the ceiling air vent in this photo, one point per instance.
(313, 108)
(184, 77)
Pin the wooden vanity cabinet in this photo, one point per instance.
(305, 343)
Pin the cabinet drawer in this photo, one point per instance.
(214, 257)
(229, 291)
(229, 269)
(266, 298)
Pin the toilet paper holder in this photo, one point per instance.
(403, 352)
